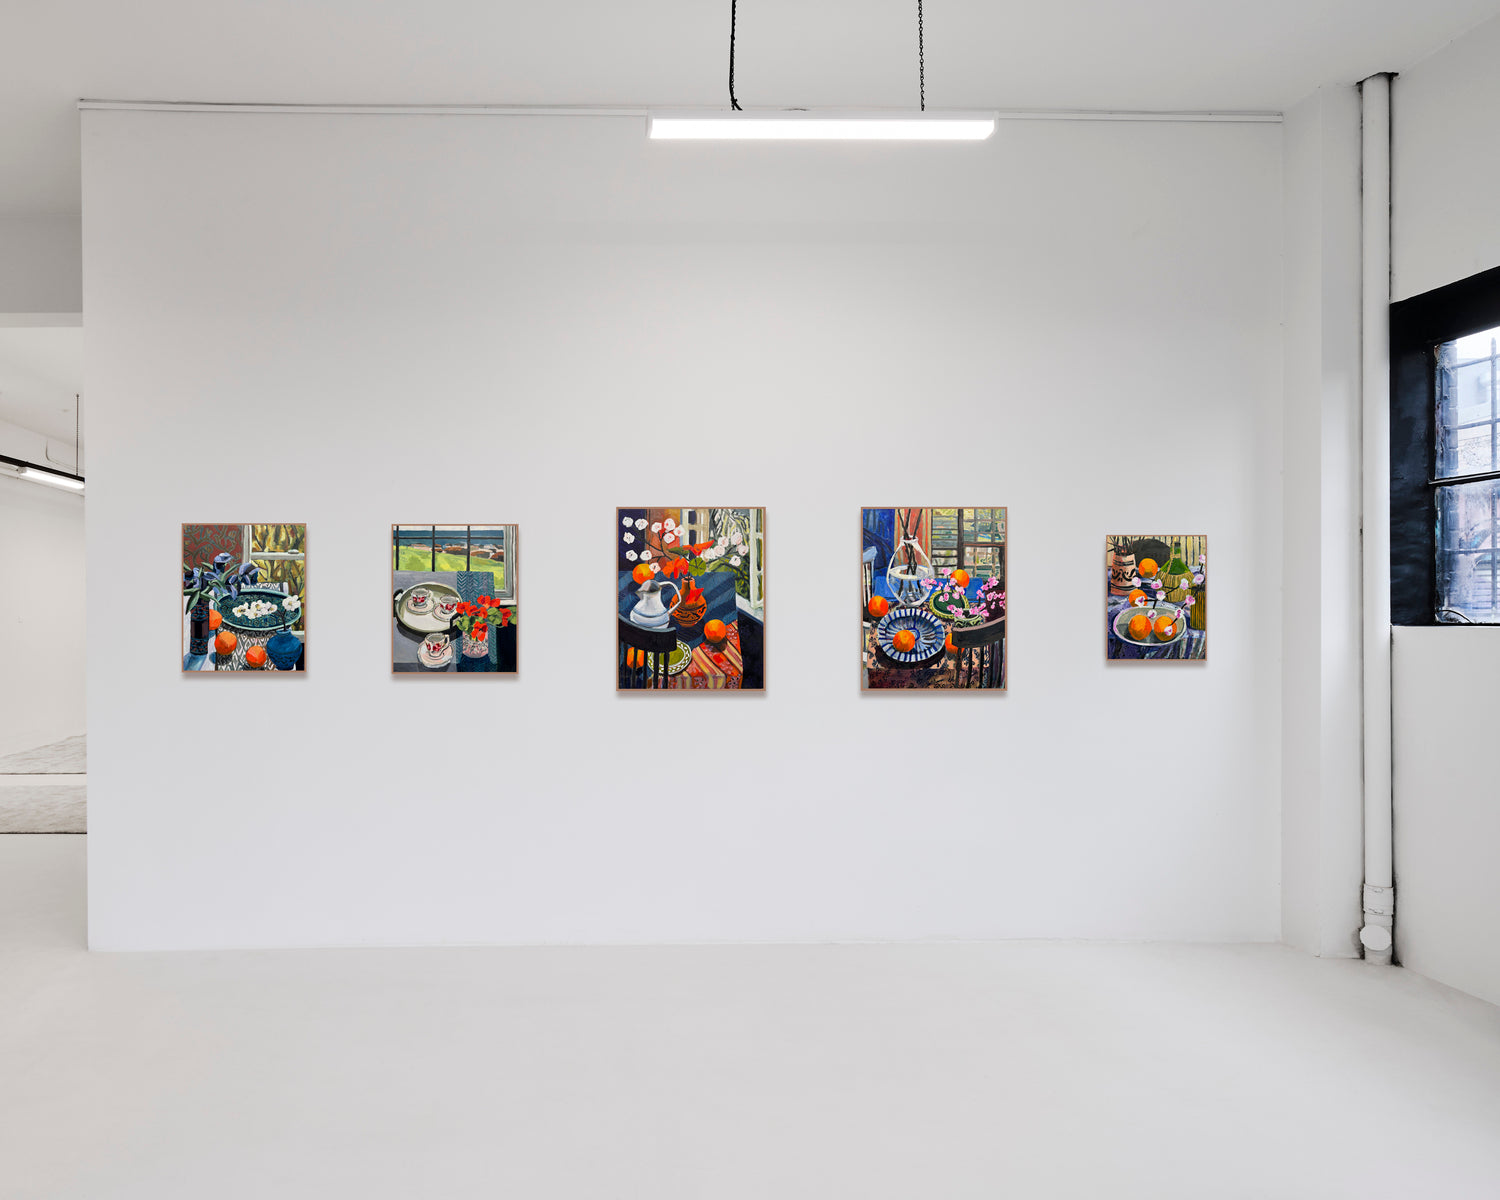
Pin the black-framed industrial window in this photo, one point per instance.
(1445, 455)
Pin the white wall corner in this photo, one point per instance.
(1322, 753)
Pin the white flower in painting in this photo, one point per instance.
(655, 567)
(1139, 602)
(640, 522)
(631, 555)
(291, 604)
(721, 543)
(734, 560)
(1198, 579)
(1203, 558)
(656, 527)
(625, 521)
(669, 524)
(627, 538)
(1135, 581)
(669, 539)
(645, 556)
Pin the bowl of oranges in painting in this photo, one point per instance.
(1144, 624)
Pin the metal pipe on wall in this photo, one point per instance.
(1377, 932)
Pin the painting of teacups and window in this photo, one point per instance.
(690, 598)
(454, 599)
(932, 599)
(244, 597)
(1156, 596)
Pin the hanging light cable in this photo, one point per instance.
(802, 125)
(734, 6)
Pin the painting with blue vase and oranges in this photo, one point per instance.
(244, 597)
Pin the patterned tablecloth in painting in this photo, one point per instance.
(711, 667)
(1192, 644)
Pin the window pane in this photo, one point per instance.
(1469, 405)
(278, 539)
(1468, 554)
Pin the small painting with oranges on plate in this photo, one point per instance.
(1156, 597)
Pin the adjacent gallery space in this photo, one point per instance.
(1049, 757)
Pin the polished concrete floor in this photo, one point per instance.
(45, 789)
(928, 1072)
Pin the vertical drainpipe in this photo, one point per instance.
(1379, 901)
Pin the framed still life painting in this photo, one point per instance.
(690, 599)
(932, 599)
(1156, 597)
(244, 597)
(454, 599)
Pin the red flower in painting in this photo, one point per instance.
(675, 567)
(504, 617)
(481, 630)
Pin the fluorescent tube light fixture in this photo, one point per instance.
(803, 126)
(20, 469)
(37, 475)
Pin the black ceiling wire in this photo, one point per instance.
(921, 59)
(921, 55)
(733, 20)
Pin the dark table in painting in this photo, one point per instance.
(954, 670)
(211, 661)
(471, 585)
(710, 667)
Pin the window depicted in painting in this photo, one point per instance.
(1156, 596)
(932, 600)
(690, 598)
(244, 597)
(453, 599)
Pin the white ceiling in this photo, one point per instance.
(1137, 54)
(41, 371)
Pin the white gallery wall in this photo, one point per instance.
(359, 320)
(42, 605)
(1445, 218)
(1321, 734)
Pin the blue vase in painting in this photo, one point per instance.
(198, 628)
(284, 650)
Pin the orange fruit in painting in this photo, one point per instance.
(1165, 627)
(1147, 568)
(879, 606)
(215, 619)
(961, 577)
(904, 640)
(716, 631)
(1136, 596)
(641, 573)
(1139, 627)
(226, 642)
(255, 657)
